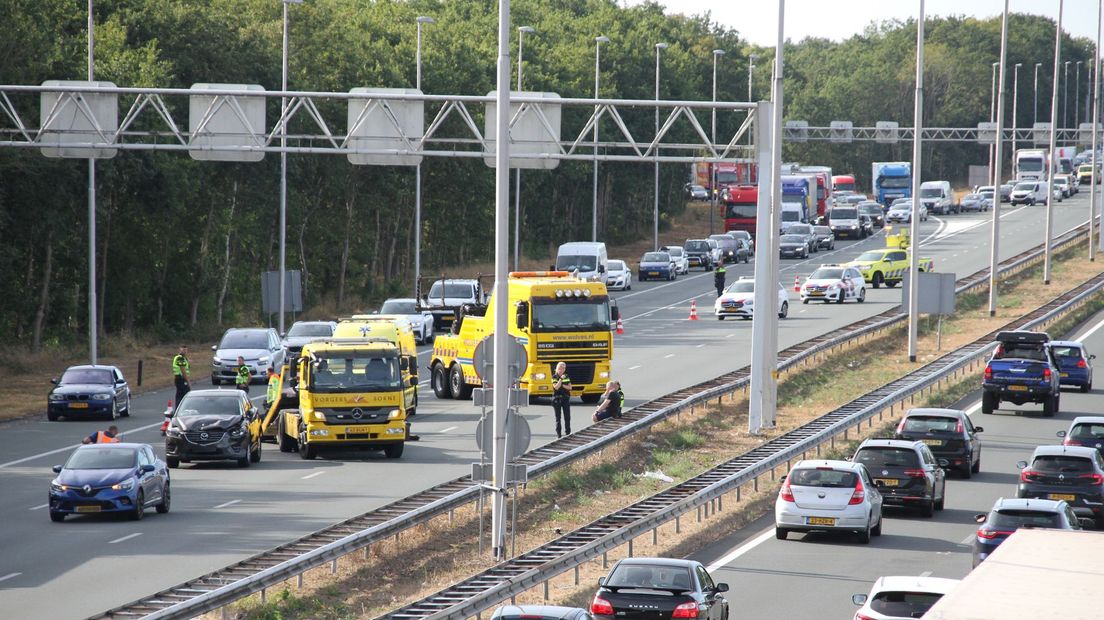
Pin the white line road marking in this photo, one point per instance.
(127, 537)
(969, 539)
(1092, 330)
(730, 335)
(926, 573)
(309, 476)
(669, 355)
(741, 550)
(634, 367)
(451, 428)
(228, 504)
(700, 346)
(38, 507)
(10, 576)
(76, 445)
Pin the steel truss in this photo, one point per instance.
(1029, 137)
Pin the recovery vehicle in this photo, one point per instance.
(888, 265)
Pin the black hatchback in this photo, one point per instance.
(905, 472)
(1073, 474)
(659, 589)
(948, 433)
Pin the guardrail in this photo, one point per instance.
(255, 574)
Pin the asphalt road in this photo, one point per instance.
(823, 571)
(222, 514)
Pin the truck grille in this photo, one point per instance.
(356, 415)
(587, 350)
(579, 373)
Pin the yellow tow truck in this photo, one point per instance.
(888, 265)
(555, 316)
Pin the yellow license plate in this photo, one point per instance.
(358, 430)
(1017, 388)
(1069, 497)
(933, 442)
(821, 521)
(653, 273)
(78, 405)
(817, 293)
(88, 508)
(1063, 374)
(887, 482)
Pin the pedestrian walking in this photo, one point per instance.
(182, 374)
(111, 435)
(719, 277)
(561, 398)
(612, 403)
(242, 376)
(273, 390)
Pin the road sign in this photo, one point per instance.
(483, 359)
(534, 131)
(518, 437)
(270, 291)
(385, 126)
(78, 118)
(226, 121)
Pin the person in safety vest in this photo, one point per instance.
(613, 402)
(182, 374)
(273, 388)
(719, 277)
(241, 379)
(111, 435)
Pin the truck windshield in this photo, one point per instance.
(791, 216)
(568, 316)
(742, 211)
(355, 374)
(844, 214)
(1030, 165)
(459, 290)
(931, 192)
(726, 178)
(894, 182)
(573, 262)
(845, 186)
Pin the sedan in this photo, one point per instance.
(834, 283)
(739, 299)
(539, 612)
(901, 598)
(87, 391)
(834, 496)
(874, 211)
(902, 212)
(1074, 363)
(975, 202)
(302, 332)
(214, 425)
(948, 433)
(680, 258)
(618, 275)
(421, 320)
(657, 266)
(112, 477)
(793, 246)
(1009, 515)
(806, 231)
(826, 239)
(1073, 474)
(658, 588)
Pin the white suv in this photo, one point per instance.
(739, 298)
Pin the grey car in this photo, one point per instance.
(974, 202)
(826, 239)
(806, 232)
(260, 347)
(302, 332)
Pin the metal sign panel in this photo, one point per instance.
(796, 131)
(534, 131)
(1085, 133)
(518, 436)
(483, 359)
(935, 291)
(886, 132)
(379, 124)
(226, 121)
(1040, 134)
(987, 133)
(270, 291)
(77, 118)
(842, 131)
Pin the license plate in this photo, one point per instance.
(78, 405)
(88, 508)
(821, 521)
(933, 442)
(653, 273)
(886, 482)
(1017, 388)
(1063, 374)
(358, 430)
(1069, 497)
(816, 294)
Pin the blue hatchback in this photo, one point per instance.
(114, 477)
(1010, 514)
(1074, 363)
(89, 391)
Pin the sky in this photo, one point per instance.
(757, 20)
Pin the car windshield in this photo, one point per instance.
(245, 340)
(656, 257)
(822, 477)
(103, 458)
(822, 230)
(870, 209)
(450, 289)
(930, 423)
(827, 273)
(844, 214)
(988, 193)
(571, 316)
(879, 457)
(396, 306)
(697, 246)
(1008, 519)
(1033, 164)
(349, 372)
(209, 404)
(904, 604)
(87, 375)
(628, 575)
(571, 262)
(1024, 187)
(616, 265)
(740, 234)
(792, 239)
(675, 252)
(311, 329)
(971, 197)
(791, 216)
(1062, 464)
(742, 286)
(895, 182)
(870, 256)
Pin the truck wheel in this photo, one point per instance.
(307, 451)
(878, 279)
(287, 442)
(591, 399)
(460, 389)
(441, 387)
(891, 283)
(988, 402)
(394, 451)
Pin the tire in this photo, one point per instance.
(440, 383)
(967, 471)
(780, 533)
(591, 399)
(114, 415)
(988, 402)
(166, 500)
(785, 311)
(286, 442)
(57, 517)
(805, 301)
(1085, 388)
(864, 536)
(891, 283)
(862, 295)
(172, 461)
(244, 461)
(459, 388)
(125, 412)
(307, 451)
(394, 451)
(51, 416)
(1050, 406)
(878, 279)
(928, 510)
(877, 529)
(255, 455)
(939, 505)
(720, 317)
(139, 509)
(842, 298)
(976, 468)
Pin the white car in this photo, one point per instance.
(833, 496)
(901, 598)
(834, 283)
(618, 275)
(739, 300)
(902, 212)
(420, 321)
(678, 255)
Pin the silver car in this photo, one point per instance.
(302, 332)
(833, 496)
(618, 275)
(421, 321)
(259, 347)
(682, 261)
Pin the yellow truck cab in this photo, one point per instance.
(555, 316)
(397, 331)
(888, 265)
(350, 394)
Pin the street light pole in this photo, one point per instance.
(992, 118)
(1065, 93)
(1035, 116)
(93, 320)
(418, 169)
(1094, 160)
(1052, 163)
(713, 139)
(914, 220)
(1077, 95)
(522, 30)
(655, 192)
(598, 41)
(283, 168)
(994, 253)
(1015, 100)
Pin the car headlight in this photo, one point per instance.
(318, 416)
(101, 396)
(56, 397)
(238, 432)
(57, 487)
(264, 360)
(172, 431)
(393, 414)
(540, 376)
(125, 485)
(216, 361)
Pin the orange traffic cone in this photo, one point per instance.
(693, 310)
(797, 284)
(620, 327)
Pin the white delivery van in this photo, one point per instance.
(586, 258)
(938, 197)
(793, 212)
(1029, 193)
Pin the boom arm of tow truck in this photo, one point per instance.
(274, 407)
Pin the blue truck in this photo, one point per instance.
(798, 196)
(1022, 370)
(891, 180)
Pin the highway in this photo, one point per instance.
(222, 514)
(824, 571)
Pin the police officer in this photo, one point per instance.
(273, 388)
(561, 398)
(111, 435)
(719, 277)
(182, 374)
(242, 376)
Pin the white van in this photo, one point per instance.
(792, 213)
(938, 197)
(1029, 193)
(587, 258)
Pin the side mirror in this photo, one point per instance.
(413, 381)
(1021, 464)
(858, 599)
(601, 581)
(1060, 433)
(615, 313)
(521, 319)
(57, 469)
(943, 462)
(404, 363)
(601, 269)
(722, 587)
(214, 347)
(980, 518)
(147, 468)
(979, 429)
(1092, 356)
(54, 381)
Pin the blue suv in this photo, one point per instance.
(111, 477)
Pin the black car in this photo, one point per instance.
(793, 246)
(89, 391)
(1009, 515)
(698, 253)
(866, 225)
(730, 247)
(539, 612)
(214, 425)
(1073, 474)
(905, 472)
(874, 211)
(948, 433)
(826, 239)
(659, 589)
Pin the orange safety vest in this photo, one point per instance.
(102, 437)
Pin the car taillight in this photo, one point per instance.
(1082, 364)
(601, 607)
(786, 493)
(1094, 479)
(914, 473)
(686, 610)
(1029, 475)
(1069, 441)
(988, 534)
(1046, 373)
(859, 495)
(989, 371)
(901, 426)
(859, 616)
(958, 427)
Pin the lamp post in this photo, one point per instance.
(598, 41)
(283, 168)
(1015, 99)
(1065, 93)
(1035, 116)
(93, 322)
(655, 213)
(418, 169)
(994, 245)
(1077, 94)
(751, 72)
(993, 118)
(1051, 163)
(713, 138)
(522, 31)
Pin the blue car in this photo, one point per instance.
(656, 266)
(1010, 514)
(111, 477)
(89, 392)
(1074, 363)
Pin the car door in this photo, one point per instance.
(971, 436)
(121, 389)
(872, 490)
(147, 481)
(939, 488)
(252, 420)
(715, 600)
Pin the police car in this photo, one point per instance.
(834, 283)
(739, 298)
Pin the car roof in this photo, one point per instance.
(331, 322)
(546, 611)
(1024, 503)
(217, 392)
(1088, 419)
(92, 367)
(834, 464)
(939, 585)
(107, 446)
(403, 299)
(1065, 343)
(1059, 450)
(935, 411)
(659, 562)
(890, 443)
